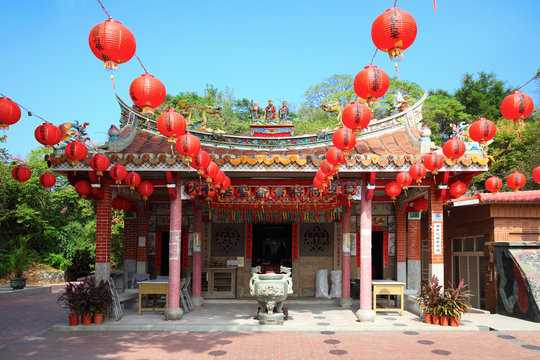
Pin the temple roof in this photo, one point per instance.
(532, 196)
(391, 144)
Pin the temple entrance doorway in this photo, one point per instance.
(377, 255)
(272, 246)
(164, 253)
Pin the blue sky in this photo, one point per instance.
(259, 49)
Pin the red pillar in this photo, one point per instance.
(197, 259)
(103, 232)
(346, 300)
(174, 312)
(401, 245)
(436, 238)
(366, 312)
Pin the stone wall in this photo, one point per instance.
(51, 277)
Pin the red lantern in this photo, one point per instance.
(21, 173)
(10, 112)
(328, 169)
(516, 180)
(482, 130)
(218, 179)
(392, 189)
(171, 124)
(421, 204)
(225, 184)
(47, 134)
(297, 192)
(393, 31)
(348, 189)
(227, 193)
(145, 189)
(344, 139)
(457, 189)
(262, 193)
(314, 193)
(536, 174)
(319, 184)
(404, 179)
(433, 162)
(188, 145)
(417, 172)
(76, 151)
(243, 192)
(210, 172)
(147, 92)
(200, 161)
(332, 190)
(336, 157)
(47, 180)
(192, 188)
(493, 184)
(278, 193)
(322, 177)
(118, 173)
(356, 116)
(454, 148)
(371, 83)
(83, 188)
(132, 180)
(112, 42)
(517, 106)
(117, 203)
(208, 191)
(99, 163)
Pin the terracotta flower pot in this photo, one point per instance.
(86, 319)
(444, 320)
(436, 320)
(98, 318)
(429, 318)
(454, 321)
(73, 320)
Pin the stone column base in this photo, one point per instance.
(173, 314)
(197, 301)
(345, 302)
(365, 315)
(274, 319)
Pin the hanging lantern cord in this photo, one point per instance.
(373, 58)
(104, 10)
(140, 62)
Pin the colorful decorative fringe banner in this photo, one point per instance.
(273, 216)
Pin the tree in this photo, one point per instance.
(440, 110)
(482, 95)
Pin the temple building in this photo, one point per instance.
(367, 235)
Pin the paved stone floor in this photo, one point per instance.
(327, 332)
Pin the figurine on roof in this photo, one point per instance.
(255, 111)
(270, 112)
(284, 112)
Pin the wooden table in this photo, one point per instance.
(387, 287)
(157, 287)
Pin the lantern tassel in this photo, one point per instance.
(112, 80)
(435, 5)
(397, 70)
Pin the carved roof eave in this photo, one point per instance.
(136, 122)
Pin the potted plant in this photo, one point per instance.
(102, 298)
(18, 261)
(428, 299)
(443, 309)
(87, 301)
(71, 299)
(457, 302)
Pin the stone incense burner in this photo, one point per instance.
(270, 291)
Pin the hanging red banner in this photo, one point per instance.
(295, 241)
(385, 249)
(158, 249)
(357, 249)
(185, 245)
(249, 237)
